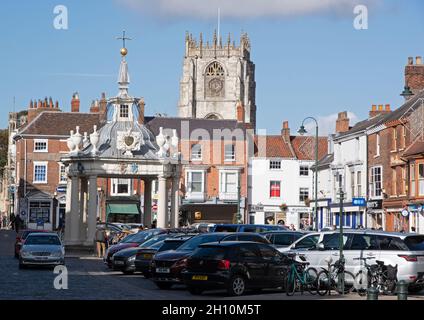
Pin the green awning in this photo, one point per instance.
(128, 208)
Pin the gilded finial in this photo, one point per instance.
(124, 50)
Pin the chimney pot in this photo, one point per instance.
(387, 107)
(285, 131)
(374, 107)
(410, 61)
(380, 107)
(419, 60)
(75, 103)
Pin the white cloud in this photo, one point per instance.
(244, 8)
(327, 124)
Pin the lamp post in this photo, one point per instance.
(302, 131)
(341, 257)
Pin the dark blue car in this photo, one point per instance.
(247, 228)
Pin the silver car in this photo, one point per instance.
(42, 249)
(406, 250)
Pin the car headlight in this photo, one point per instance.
(57, 254)
(25, 254)
(132, 258)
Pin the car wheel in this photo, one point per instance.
(163, 285)
(195, 291)
(237, 286)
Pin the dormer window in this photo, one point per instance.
(123, 111)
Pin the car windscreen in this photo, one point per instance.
(415, 243)
(212, 253)
(194, 242)
(225, 228)
(283, 239)
(139, 237)
(153, 241)
(43, 240)
(171, 245)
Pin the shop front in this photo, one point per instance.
(207, 213)
(353, 216)
(416, 217)
(375, 214)
(396, 215)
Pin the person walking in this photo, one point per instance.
(101, 239)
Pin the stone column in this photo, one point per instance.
(147, 210)
(72, 212)
(83, 210)
(92, 210)
(162, 203)
(175, 202)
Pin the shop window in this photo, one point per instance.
(39, 211)
(275, 189)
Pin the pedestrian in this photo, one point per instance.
(101, 240)
(1, 220)
(413, 229)
(154, 224)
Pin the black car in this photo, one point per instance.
(144, 256)
(235, 267)
(282, 239)
(167, 266)
(124, 260)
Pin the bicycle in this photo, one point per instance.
(300, 277)
(328, 279)
(379, 276)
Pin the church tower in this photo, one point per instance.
(217, 79)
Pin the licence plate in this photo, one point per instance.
(41, 258)
(163, 270)
(118, 262)
(147, 256)
(201, 278)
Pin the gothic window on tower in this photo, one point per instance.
(215, 80)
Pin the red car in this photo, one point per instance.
(20, 239)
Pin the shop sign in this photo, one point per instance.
(360, 202)
(405, 213)
(375, 204)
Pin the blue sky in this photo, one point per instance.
(310, 61)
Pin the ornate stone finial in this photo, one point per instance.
(94, 140)
(215, 39)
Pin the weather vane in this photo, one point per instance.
(124, 38)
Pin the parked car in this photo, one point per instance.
(282, 239)
(131, 241)
(42, 249)
(144, 256)
(406, 250)
(134, 227)
(124, 260)
(167, 265)
(203, 227)
(20, 239)
(246, 227)
(235, 267)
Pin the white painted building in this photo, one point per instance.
(281, 182)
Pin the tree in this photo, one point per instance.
(4, 143)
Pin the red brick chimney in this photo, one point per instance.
(103, 108)
(75, 103)
(375, 111)
(285, 131)
(414, 74)
(240, 112)
(35, 108)
(342, 123)
(141, 108)
(95, 107)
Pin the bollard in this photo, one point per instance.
(372, 294)
(402, 290)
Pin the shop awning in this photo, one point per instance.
(127, 208)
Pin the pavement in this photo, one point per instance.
(89, 279)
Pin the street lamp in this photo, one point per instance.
(302, 131)
(342, 261)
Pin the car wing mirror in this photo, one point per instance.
(320, 246)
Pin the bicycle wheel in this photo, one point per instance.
(348, 282)
(310, 280)
(290, 283)
(323, 282)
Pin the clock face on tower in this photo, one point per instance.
(215, 87)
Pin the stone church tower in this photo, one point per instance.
(218, 80)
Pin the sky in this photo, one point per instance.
(310, 60)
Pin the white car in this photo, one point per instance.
(406, 250)
(42, 249)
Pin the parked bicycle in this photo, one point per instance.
(379, 276)
(300, 277)
(328, 279)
